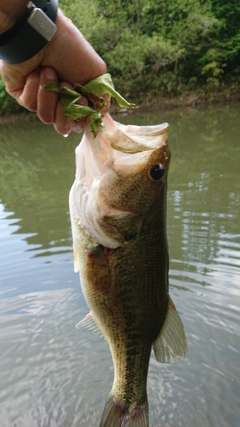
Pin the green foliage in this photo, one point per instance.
(158, 46)
(228, 36)
(93, 91)
(154, 46)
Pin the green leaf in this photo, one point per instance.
(103, 84)
(75, 111)
(67, 93)
(68, 98)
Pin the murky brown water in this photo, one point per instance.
(53, 375)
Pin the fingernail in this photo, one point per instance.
(77, 128)
(49, 73)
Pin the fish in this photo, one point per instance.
(118, 217)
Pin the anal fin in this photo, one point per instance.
(90, 324)
(170, 346)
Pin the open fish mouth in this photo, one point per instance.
(124, 149)
(112, 174)
(127, 149)
(131, 139)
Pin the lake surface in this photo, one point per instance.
(53, 375)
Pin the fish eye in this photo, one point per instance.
(156, 172)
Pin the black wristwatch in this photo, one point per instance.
(32, 31)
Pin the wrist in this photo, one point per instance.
(76, 61)
(30, 33)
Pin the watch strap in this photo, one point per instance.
(30, 33)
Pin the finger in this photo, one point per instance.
(28, 97)
(63, 124)
(79, 125)
(46, 100)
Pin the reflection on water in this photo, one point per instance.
(52, 375)
(36, 172)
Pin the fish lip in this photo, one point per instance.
(148, 136)
(151, 130)
(145, 129)
(145, 137)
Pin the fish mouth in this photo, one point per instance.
(129, 148)
(132, 139)
(109, 164)
(123, 149)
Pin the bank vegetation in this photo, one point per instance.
(162, 52)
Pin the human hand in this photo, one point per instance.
(73, 60)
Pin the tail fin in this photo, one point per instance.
(115, 415)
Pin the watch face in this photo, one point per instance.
(42, 24)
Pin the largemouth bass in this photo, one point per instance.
(118, 216)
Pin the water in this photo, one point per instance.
(53, 375)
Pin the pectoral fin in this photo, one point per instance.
(90, 324)
(171, 345)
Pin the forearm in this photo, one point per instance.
(10, 10)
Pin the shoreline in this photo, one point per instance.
(184, 101)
